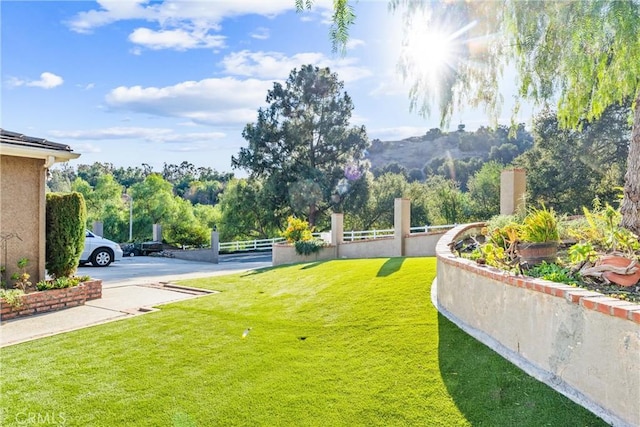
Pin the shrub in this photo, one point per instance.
(553, 272)
(297, 230)
(308, 247)
(66, 216)
(13, 297)
(540, 226)
(60, 283)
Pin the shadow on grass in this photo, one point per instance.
(260, 270)
(312, 265)
(267, 269)
(489, 390)
(392, 265)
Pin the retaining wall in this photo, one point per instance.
(202, 255)
(52, 300)
(582, 343)
(284, 253)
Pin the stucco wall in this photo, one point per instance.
(368, 248)
(202, 255)
(582, 339)
(286, 254)
(422, 244)
(22, 212)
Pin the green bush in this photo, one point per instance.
(65, 232)
(13, 297)
(188, 235)
(60, 283)
(553, 272)
(308, 247)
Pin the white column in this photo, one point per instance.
(513, 187)
(402, 224)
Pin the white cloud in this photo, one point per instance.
(162, 135)
(276, 65)
(47, 81)
(86, 148)
(391, 84)
(87, 86)
(208, 101)
(178, 39)
(179, 24)
(354, 43)
(175, 13)
(260, 33)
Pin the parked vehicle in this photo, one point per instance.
(144, 248)
(99, 251)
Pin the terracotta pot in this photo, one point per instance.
(535, 253)
(623, 262)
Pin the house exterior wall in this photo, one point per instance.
(22, 213)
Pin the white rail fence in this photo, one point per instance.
(249, 245)
(349, 236)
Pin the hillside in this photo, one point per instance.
(435, 147)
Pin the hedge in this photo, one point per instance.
(66, 219)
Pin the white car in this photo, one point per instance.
(99, 251)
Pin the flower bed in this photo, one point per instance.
(580, 342)
(52, 300)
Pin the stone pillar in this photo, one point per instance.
(337, 231)
(157, 233)
(402, 223)
(215, 245)
(98, 228)
(337, 228)
(513, 186)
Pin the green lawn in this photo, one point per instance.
(337, 343)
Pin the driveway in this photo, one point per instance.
(150, 269)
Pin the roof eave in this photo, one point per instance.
(49, 156)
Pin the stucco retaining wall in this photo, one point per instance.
(382, 247)
(286, 254)
(586, 342)
(202, 255)
(421, 244)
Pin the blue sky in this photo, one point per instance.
(132, 82)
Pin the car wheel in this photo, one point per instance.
(101, 258)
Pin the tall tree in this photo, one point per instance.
(484, 191)
(567, 168)
(302, 145)
(153, 203)
(245, 211)
(586, 52)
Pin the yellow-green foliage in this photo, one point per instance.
(602, 228)
(540, 226)
(298, 230)
(66, 219)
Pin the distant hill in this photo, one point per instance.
(430, 151)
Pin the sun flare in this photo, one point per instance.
(433, 50)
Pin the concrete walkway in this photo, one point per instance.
(122, 298)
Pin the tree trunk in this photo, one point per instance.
(630, 208)
(313, 212)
